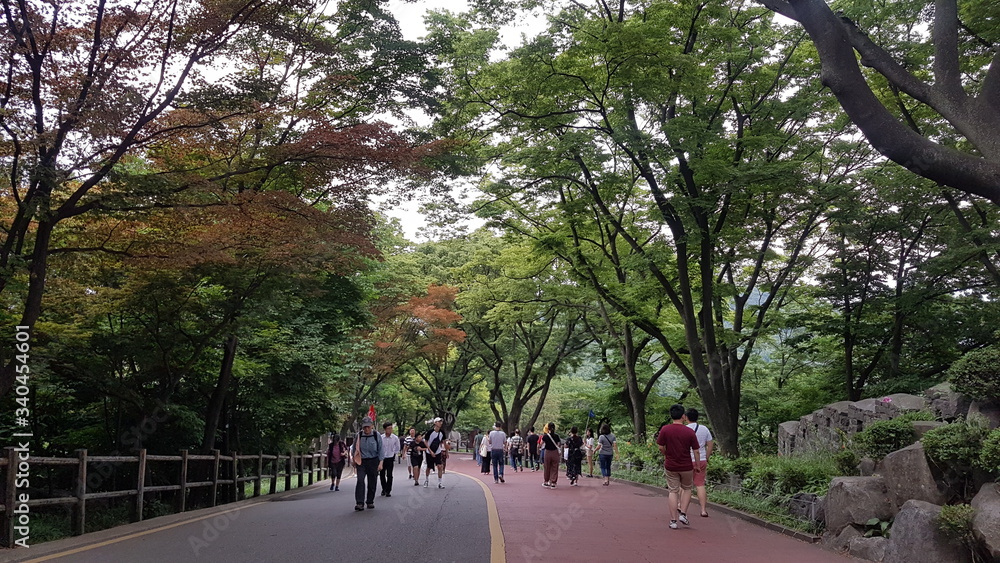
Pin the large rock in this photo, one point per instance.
(898, 403)
(989, 409)
(855, 500)
(986, 522)
(872, 549)
(947, 403)
(787, 434)
(908, 476)
(921, 427)
(840, 540)
(866, 467)
(917, 537)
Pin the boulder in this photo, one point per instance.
(989, 409)
(921, 427)
(898, 403)
(787, 432)
(866, 467)
(855, 500)
(917, 537)
(986, 521)
(840, 540)
(908, 476)
(947, 403)
(872, 549)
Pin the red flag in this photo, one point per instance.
(371, 414)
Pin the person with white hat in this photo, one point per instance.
(435, 451)
(368, 458)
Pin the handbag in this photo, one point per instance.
(484, 447)
(356, 459)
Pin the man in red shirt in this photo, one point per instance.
(677, 442)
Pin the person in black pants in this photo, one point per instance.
(368, 445)
(390, 449)
(532, 440)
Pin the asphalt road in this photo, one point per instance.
(314, 525)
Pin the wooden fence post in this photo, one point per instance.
(260, 474)
(301, 467)
(140, 488)
(288, 475)
(237, 492)
(312, 468)
(80, 509)
(215, 477)
(182, 500)
(10, 498)
(273, 485)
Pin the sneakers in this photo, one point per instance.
(427, 483)
(371, 506)
(683, 518)
(332, 487)
(336, 488)
(546, 485)
(359, 507)
(673, 525)
(416, 482)
(387, 495)
(501, 479)
(382, 494)
(440, 486)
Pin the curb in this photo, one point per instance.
(797, 534)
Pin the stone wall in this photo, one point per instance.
(826, 427)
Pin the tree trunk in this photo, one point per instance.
(216, 403)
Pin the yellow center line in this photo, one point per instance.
(497, 547)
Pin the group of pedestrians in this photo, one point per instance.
(545, 452)
(373, 454)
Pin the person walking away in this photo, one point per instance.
(408, 441)
(677, 442)
(435, 451)
(607, 448)
(368, 458)
(516, 447)
(574, 458)
(484, 455)
(588, 444)
(336, 459)
(390, 449)
(498, 445)
(416, 453)
(532, 441)
(705, 446)
(477, 446)
(551, 444)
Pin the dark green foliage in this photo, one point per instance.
(977, 374)
(847, 461)
(958, 444)
(789, 475)
(875, 527)
(989, 457)
(886, 436)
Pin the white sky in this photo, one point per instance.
(411, 22)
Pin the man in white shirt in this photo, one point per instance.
(390, 448)
(705, 450)
(498, 444)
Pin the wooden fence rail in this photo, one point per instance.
(229, 472)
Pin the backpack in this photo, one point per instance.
(434, 444)
(575, 452)
(337, 452)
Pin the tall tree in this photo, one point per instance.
(954, 69)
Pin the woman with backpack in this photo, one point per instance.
(574, 457)
(336, 458)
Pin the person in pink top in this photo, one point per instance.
(677, 442)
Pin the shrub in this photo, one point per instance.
(741, 466)
(847, 461)
(977, 374)
(956, 445)
(719, 469)
(989, 457)
(955, 520)
(789, 475)
(886, 436)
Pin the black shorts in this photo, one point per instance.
(416, 460)
(433, 460)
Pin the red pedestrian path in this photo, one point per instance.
(623, 523)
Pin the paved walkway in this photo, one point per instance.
(623, 522)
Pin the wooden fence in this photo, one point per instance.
(227, 481)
